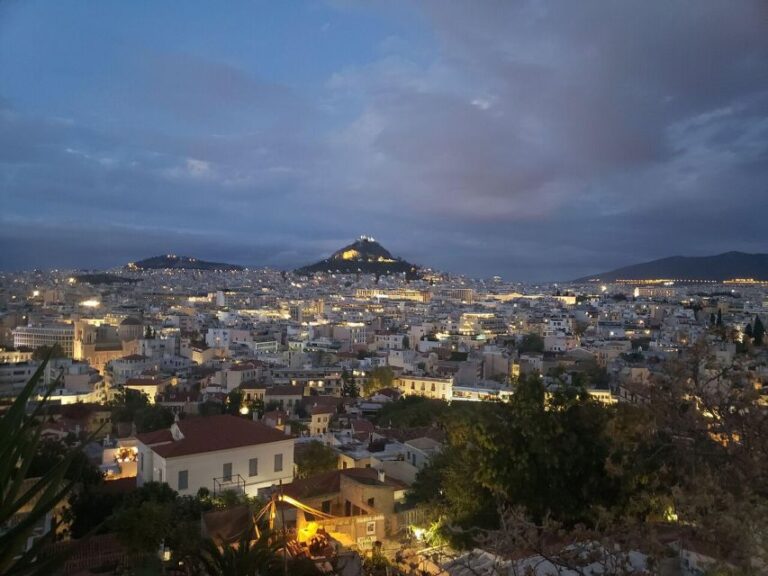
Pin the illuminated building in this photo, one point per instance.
(46, 335)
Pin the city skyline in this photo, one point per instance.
(534, 141)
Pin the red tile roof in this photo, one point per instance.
(156, 437)
(214, 433)
(317, 485)
(322, 410)
(330, 482)
(362, 425)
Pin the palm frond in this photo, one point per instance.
(20, 435)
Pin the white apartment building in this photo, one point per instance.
(218, 453)
(45, 335)
(118, 371)
(436, 388)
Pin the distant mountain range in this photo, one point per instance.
(727, 266)
(180, 263)
(363, 255)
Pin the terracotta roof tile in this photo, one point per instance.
(214, 433)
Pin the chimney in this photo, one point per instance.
(382, 476)
(287, 429)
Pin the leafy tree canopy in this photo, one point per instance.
(314, 458)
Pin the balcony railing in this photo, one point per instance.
(235, 483)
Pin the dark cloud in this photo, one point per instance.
(533, 140)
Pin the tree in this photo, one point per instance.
(412, 411)
(758, 331)
(19, 444)
(234, 402)
(125, 405)
(211, 408)
(719, 322)
(48, 352)
(151, 418)
(748, 333)
(380, 377)
(272, 406)
(314, 458)
(250, 556)
(88, 508)
(349, 388)
(143, 529)
(530, 452)
(257, 406)
(406, 342)
(531, 343)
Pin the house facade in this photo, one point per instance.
(218, 453)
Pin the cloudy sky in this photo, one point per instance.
(535, 140)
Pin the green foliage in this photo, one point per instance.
(380, 377)
(51, 453)
(297, 426)
(250, 556)
(126, 404)
(758, 331)
(272, 405)
(234, 402)
(19, 444)
(151, 418)
(531, 343)
(376, 564)
(256, 406)
(48, 352)
(88, 508)
(412, 411)
(314, 458)
(155, 514)
(143, 528)
(545, 454)
(211, 408)
(349, 388)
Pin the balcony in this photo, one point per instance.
(234, 483)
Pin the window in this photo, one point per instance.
(278, 462)
(227, 473)
(370, 502)
(326, 506)
(183, 479)
(253, 467)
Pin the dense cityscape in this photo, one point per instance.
(393, 422)
(384, 288)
